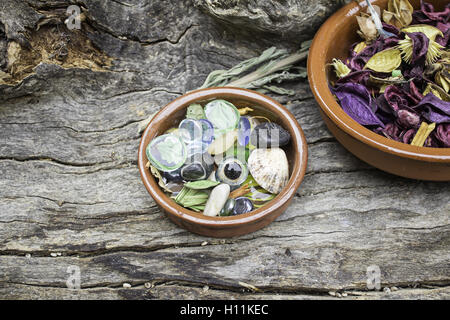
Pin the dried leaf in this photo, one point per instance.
(201, 184)
(367, 28)
(191, 198)
(422, 134)
(385, 61)
(430, 31)
(155, 172)
(442, 81)
(437, 91)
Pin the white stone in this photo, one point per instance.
(216, 201)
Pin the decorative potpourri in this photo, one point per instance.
(221, 160)
(396, 80)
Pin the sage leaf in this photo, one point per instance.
(202, 184)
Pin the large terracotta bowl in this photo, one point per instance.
(333, 40)
(171, 115)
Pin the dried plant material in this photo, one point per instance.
(407, 48)
(442, 80)
(192, 199)
(340, 68)
(367, 29)
(248, 286)
(430, 31)
(201, 184)
(273, 65)
(375, 14)
(241, 191)
(360, 47)
(155, 172)
(385, 61)
(423, 133)
(437, 91)
(399, 13)
(376, 81)
(244, 111)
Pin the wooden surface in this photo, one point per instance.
(71, 194)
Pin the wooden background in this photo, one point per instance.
(71, 194)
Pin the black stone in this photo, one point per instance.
(268, 135)
(172, 176)
(193, 171)
(198, 167)
(232, 170)
(228, 207)
(242, 205)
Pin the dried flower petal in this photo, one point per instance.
(368, 30)
(434, 109)
(357, 103)
(340, 68)
(399, 13)
(442, 134)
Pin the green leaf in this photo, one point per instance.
(202, 184)
(190, 197)
(195, 111)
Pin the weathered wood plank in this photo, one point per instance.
(70, 185)
(172, 291)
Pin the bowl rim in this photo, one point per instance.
(170, 207)
(317, 75)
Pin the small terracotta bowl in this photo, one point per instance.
(333, 40)
(171, 115)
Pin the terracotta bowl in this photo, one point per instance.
(333, 40)
(171, 115)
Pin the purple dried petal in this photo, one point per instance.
(427, 15)
(434, 109)
(358, 61)
(361, 77)
(395, 97)
(415, 93)
(392, 131)
(442, 134)
(408, 135)
(356, 101)
(420, 46)
(391, 29)
(415, 72)
(445, 28)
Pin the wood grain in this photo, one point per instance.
(71, 194)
